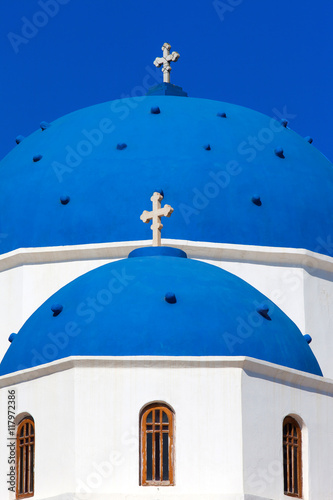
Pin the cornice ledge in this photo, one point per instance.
(251, 367)
(197, 250)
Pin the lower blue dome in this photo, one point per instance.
(159, 305)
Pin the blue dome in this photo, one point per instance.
(232, 175)
(158, 305)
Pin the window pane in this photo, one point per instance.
(285, 475)
(32, 469)
(21, 471)
(29, 470)
(26, 475)
(149, 457)
(165, 457)
(150, 417)
(290, 467)
(295, 471)
(157, 456)
(165, 418)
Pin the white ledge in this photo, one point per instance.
(194, 249)
(252, 367)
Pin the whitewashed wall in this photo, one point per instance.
(265, 403)
(227, 427)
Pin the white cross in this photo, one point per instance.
(165, 60)
(155, 215)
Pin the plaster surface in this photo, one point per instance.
(214, 400)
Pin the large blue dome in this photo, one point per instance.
(159, 303)
(88, 177)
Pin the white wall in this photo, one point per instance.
(50, 401)
(227, 427)
(318, 309)
(265, 403)
(96, 445)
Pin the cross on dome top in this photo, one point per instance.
(165, 61)
(155, 215)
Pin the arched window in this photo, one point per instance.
(25, 458)
(157, 453)
(292, 458)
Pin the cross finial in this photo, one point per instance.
(165, 61)
(155, 215)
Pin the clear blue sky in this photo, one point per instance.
(262, 54)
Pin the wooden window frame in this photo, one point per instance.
(28, 445)
(289, 440)
(157, 428)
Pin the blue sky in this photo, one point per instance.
(61, 55)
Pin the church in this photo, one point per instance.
(166, 281)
